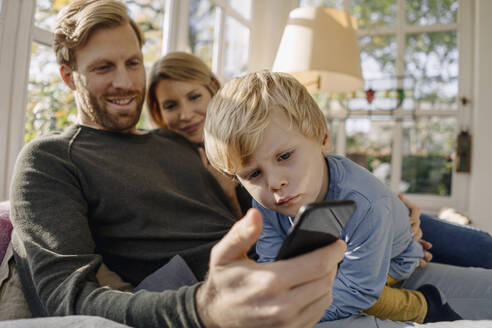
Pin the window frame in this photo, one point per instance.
(175, 36)
(464, 28)
(16, 26)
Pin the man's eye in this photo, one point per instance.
(285, 156)
(102, 68)
(134, 63)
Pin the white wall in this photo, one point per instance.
(481, 176)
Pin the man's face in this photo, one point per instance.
(109, 80)
(287, 170)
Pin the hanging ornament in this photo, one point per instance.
(401, 97)
(370, 95)
(464, 152)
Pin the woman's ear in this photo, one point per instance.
(67, 76)
(326, 146)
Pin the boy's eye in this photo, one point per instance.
(195, 96)
(285, 156)
(254, 174)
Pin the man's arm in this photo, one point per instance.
(242, 293)
(56, 253)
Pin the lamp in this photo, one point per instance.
(320, 48)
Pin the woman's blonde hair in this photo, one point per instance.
(240, 112)
(76, 22)
(179, 66)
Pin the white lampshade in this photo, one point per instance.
(321, 49)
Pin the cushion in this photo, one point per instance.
(5, 228)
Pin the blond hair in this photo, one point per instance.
(239, 113)
(179, 66)
(76, 22)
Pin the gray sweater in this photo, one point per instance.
(134, 201)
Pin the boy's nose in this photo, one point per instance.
(277, 183)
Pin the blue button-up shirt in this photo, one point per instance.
(378, 237)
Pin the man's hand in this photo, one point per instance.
(239, 292)
(415, 213)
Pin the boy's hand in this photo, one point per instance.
(415, 213)
(242, 293)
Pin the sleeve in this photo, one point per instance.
(56, 253)
(362, 274)
(271, 238)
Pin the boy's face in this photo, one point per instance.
(287, 170)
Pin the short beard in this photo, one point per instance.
(115, 123)
(97, 113)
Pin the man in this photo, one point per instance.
(103, 190)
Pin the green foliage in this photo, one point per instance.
(428, 174)
(372, 14)
(50, 108)
(201, 29)
(426, 12)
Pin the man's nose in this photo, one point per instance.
(122, 80)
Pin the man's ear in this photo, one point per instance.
(66, 73)
(326, 146)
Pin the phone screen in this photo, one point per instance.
(316, 225)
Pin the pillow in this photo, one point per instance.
(5, 228)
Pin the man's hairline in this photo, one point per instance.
(73, 67)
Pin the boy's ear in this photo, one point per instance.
(326, 146)
(67, 76)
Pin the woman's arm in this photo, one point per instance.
(417, 233)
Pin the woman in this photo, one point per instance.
(180, 88)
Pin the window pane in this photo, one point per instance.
(333, 126)
(428, 154)
(242, 6)
(378, 61)
(369, 143)
(322, 3)
(50, 103)
(46, 11)
(149, 15)
(432, 58)
(428, 12)
(236, 49)
(201, 29)
(370, 13)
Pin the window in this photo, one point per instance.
(51, 105)
(406, 134)
(218, 33)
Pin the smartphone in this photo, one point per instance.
(316, 225)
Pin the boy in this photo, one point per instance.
(276, 143)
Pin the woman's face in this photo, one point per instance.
(183, 106)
